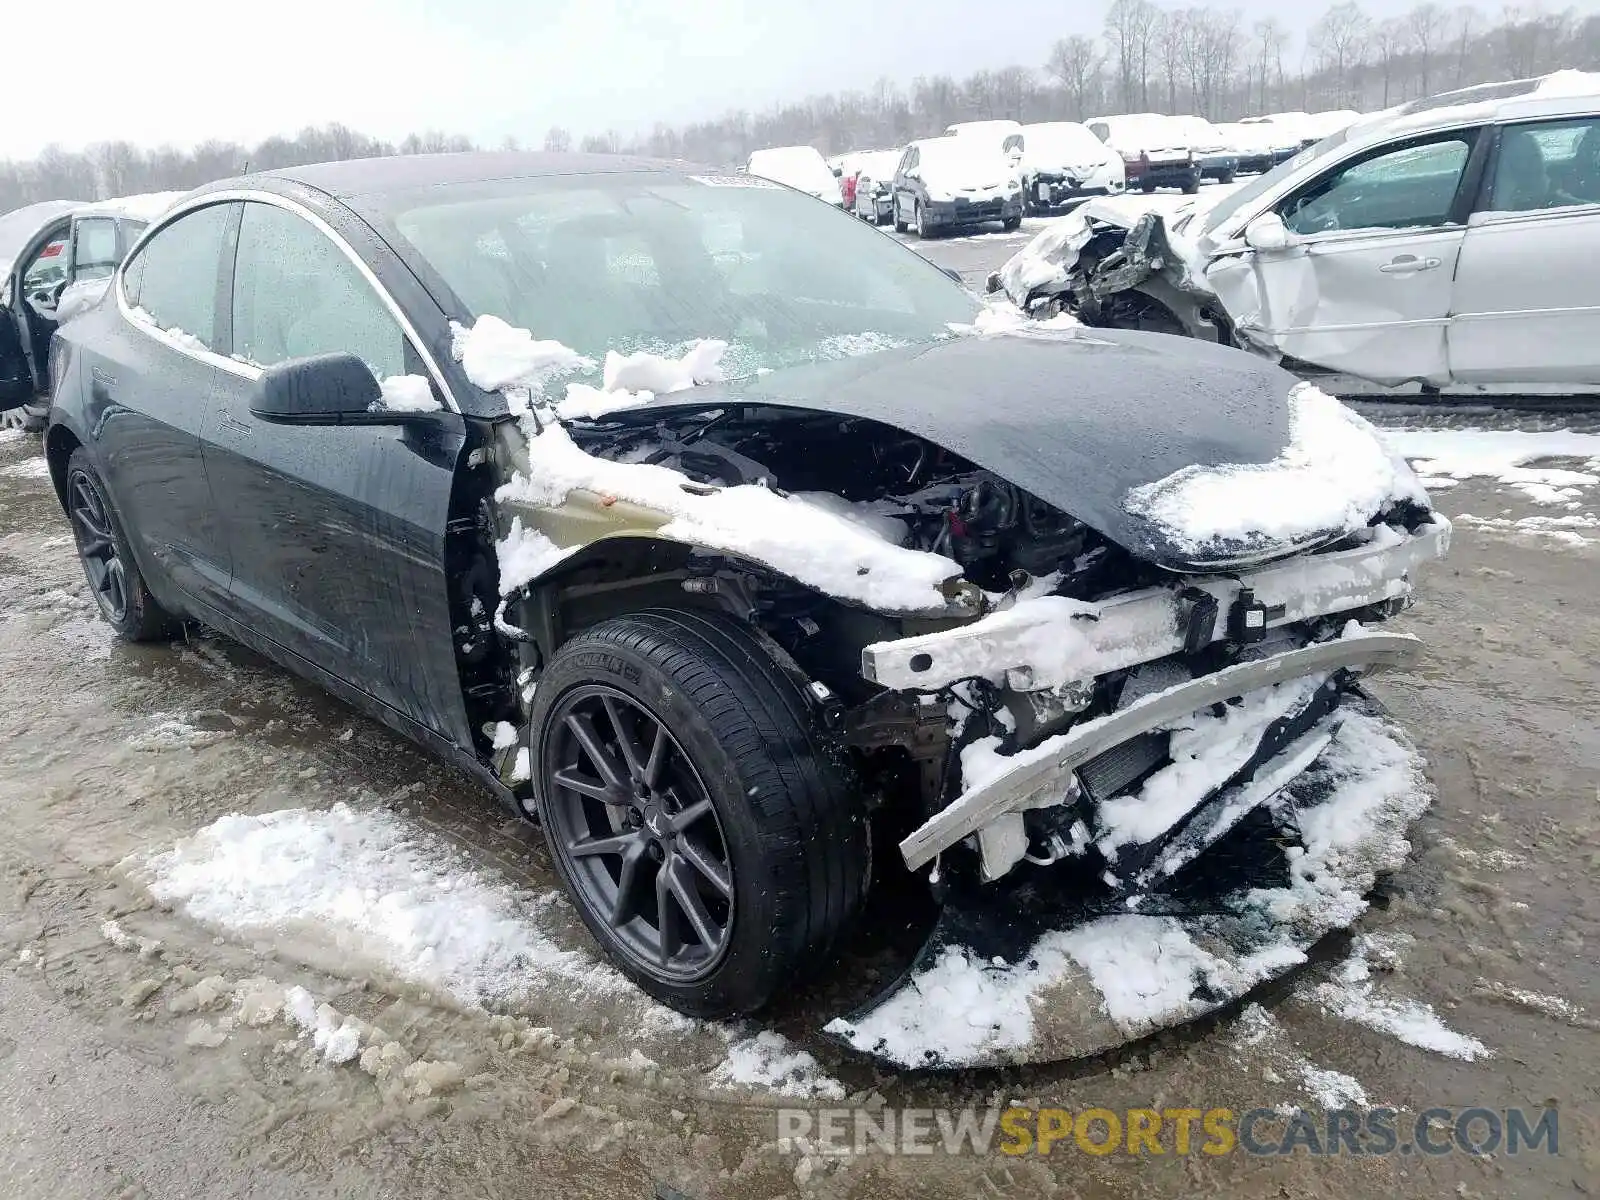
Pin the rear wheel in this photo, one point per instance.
(1226, 177)
(1191, 187)
(1147, 188)
(703, 825)
(1011, 223)
(114, 578)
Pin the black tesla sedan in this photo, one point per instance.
(867, 576)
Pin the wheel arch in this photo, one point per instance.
(59, 443)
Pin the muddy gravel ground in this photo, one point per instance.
(132, 1065)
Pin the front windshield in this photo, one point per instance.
(651, 262)
(1261, 184)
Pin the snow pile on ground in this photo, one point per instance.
(767, 1061)
(380, 890)
(1151, 971)
(28, 468)
(1446, 456)
(11, 429)
(1353, 996)
(500, 357)
(406, 393)
(1562, 529)
(1331, 478)
(646, 372)
(820, 548)
(1258, 1033)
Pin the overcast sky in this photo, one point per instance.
(182, 71)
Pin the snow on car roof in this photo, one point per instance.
(146, 206)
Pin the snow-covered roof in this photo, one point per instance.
(146, 206)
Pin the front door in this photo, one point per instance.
(1527, 308)
(337, 531)
(1365, 286)
(41, 274)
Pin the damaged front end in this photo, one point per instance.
(1111, 712)
(1114, 266)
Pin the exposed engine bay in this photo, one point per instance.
(906, 489)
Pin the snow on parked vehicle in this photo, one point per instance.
(800, 167)
(874, 191)
(870, 586)
(955, 183)
(1441, 243)
(1155, 152)
(1063, 161)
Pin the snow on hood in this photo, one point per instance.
(1333, 477)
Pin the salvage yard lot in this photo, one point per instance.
(452, 1055)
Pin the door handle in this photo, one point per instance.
(1408, 264)
(224, 417)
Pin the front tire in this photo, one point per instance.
(894, 211)
(704, 826)
(920, 216)
(114, 578)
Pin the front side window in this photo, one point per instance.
(174, 276)
(296, 294)
(1552, 164)
(1407, 187)
(94, 248)
(632, 263)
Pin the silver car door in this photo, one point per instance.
(1363, 286)
(1527, 302)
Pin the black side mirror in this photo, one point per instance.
(992, 284)
(324, 389)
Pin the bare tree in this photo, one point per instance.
(1467, 19)
(1339, 40)
(1077, 65)
(1271, 38)
(557, 140)
(1130, 29)
(1390, 40)
(1174, 48)
(1427, 23)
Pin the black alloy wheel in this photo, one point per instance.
(642, 842)
(97, 547)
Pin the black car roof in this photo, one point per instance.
(366, 176)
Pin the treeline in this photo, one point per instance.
(1194, 59)
(121, 169)
(1149, 58)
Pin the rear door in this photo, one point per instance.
(151, 394)
(1366, 285)
(337, 532)
(1527, 300)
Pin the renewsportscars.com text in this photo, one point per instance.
(1169, 1131)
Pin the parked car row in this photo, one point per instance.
(983, 166)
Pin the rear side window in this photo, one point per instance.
(174, 276)
(296, 294)
(1552, 164)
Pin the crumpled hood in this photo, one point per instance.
(1080, 419)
